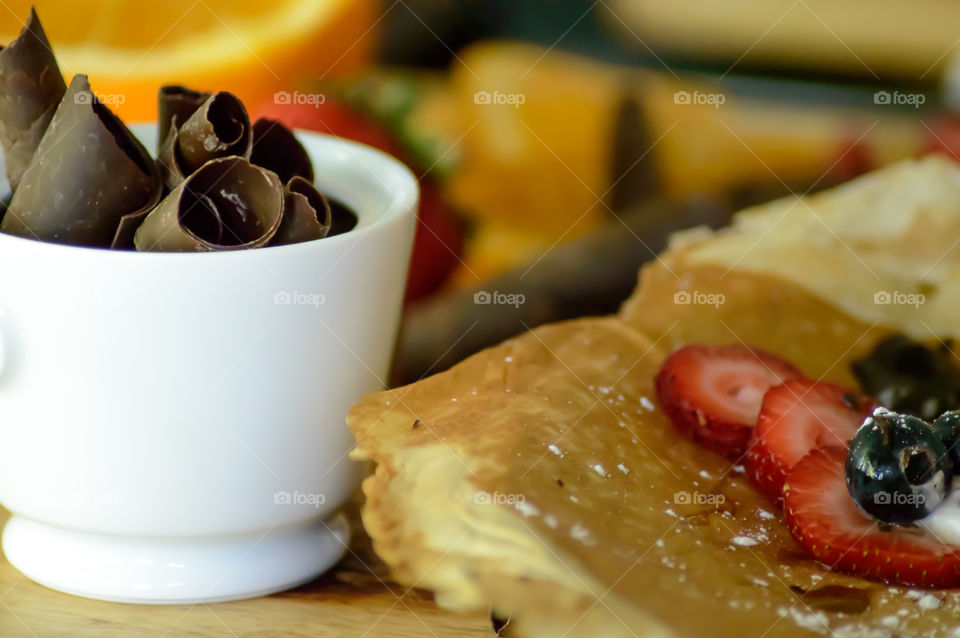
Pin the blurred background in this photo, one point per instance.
(558, 143)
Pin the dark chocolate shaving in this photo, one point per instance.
(227, 204)
(306, 214)
(277, 148)
(176, 102)
(88, 174)
(342, 218)
(220, 127)
(5, 204)
(31, 87)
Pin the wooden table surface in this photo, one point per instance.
(356, 598)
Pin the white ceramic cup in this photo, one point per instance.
(172, 425)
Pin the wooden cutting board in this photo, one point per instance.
(355, 599)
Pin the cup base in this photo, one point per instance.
(178, 570)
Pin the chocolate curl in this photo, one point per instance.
(306, 214)
(5, 204)
(176, 102)
(123, 238)
(277, 148)
(89, 173)
(227, 204)
(220, 127)
(342, 218)
(31, 87)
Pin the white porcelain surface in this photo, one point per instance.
(128, 569)
(180, 404)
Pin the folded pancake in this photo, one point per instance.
(88, 173)
(540, 477)
(277, 148)
(306, 213)
(31, 87)
(227, 204)
(882, 249)
(178, 102)
(219, 127)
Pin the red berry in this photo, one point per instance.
(712, 394)
(823, 518)
(333, 118)
(437, 244)
(943, 136)
(796, 417)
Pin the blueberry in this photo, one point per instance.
(912, 377)
(898, 469)
(947, 427)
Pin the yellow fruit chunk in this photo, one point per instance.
(496, 248)
(537, 154)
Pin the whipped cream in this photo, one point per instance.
(944, 522)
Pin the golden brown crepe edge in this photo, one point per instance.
(409, 499)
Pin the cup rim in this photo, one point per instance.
(402, 196)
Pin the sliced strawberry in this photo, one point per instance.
(796, 417)
(823, 518)
(713, 393)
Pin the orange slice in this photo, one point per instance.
(249, 47)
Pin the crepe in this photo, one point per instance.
(219, 127)
(88, 174)
(882, 248)
(540, 477)
(31, 87)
